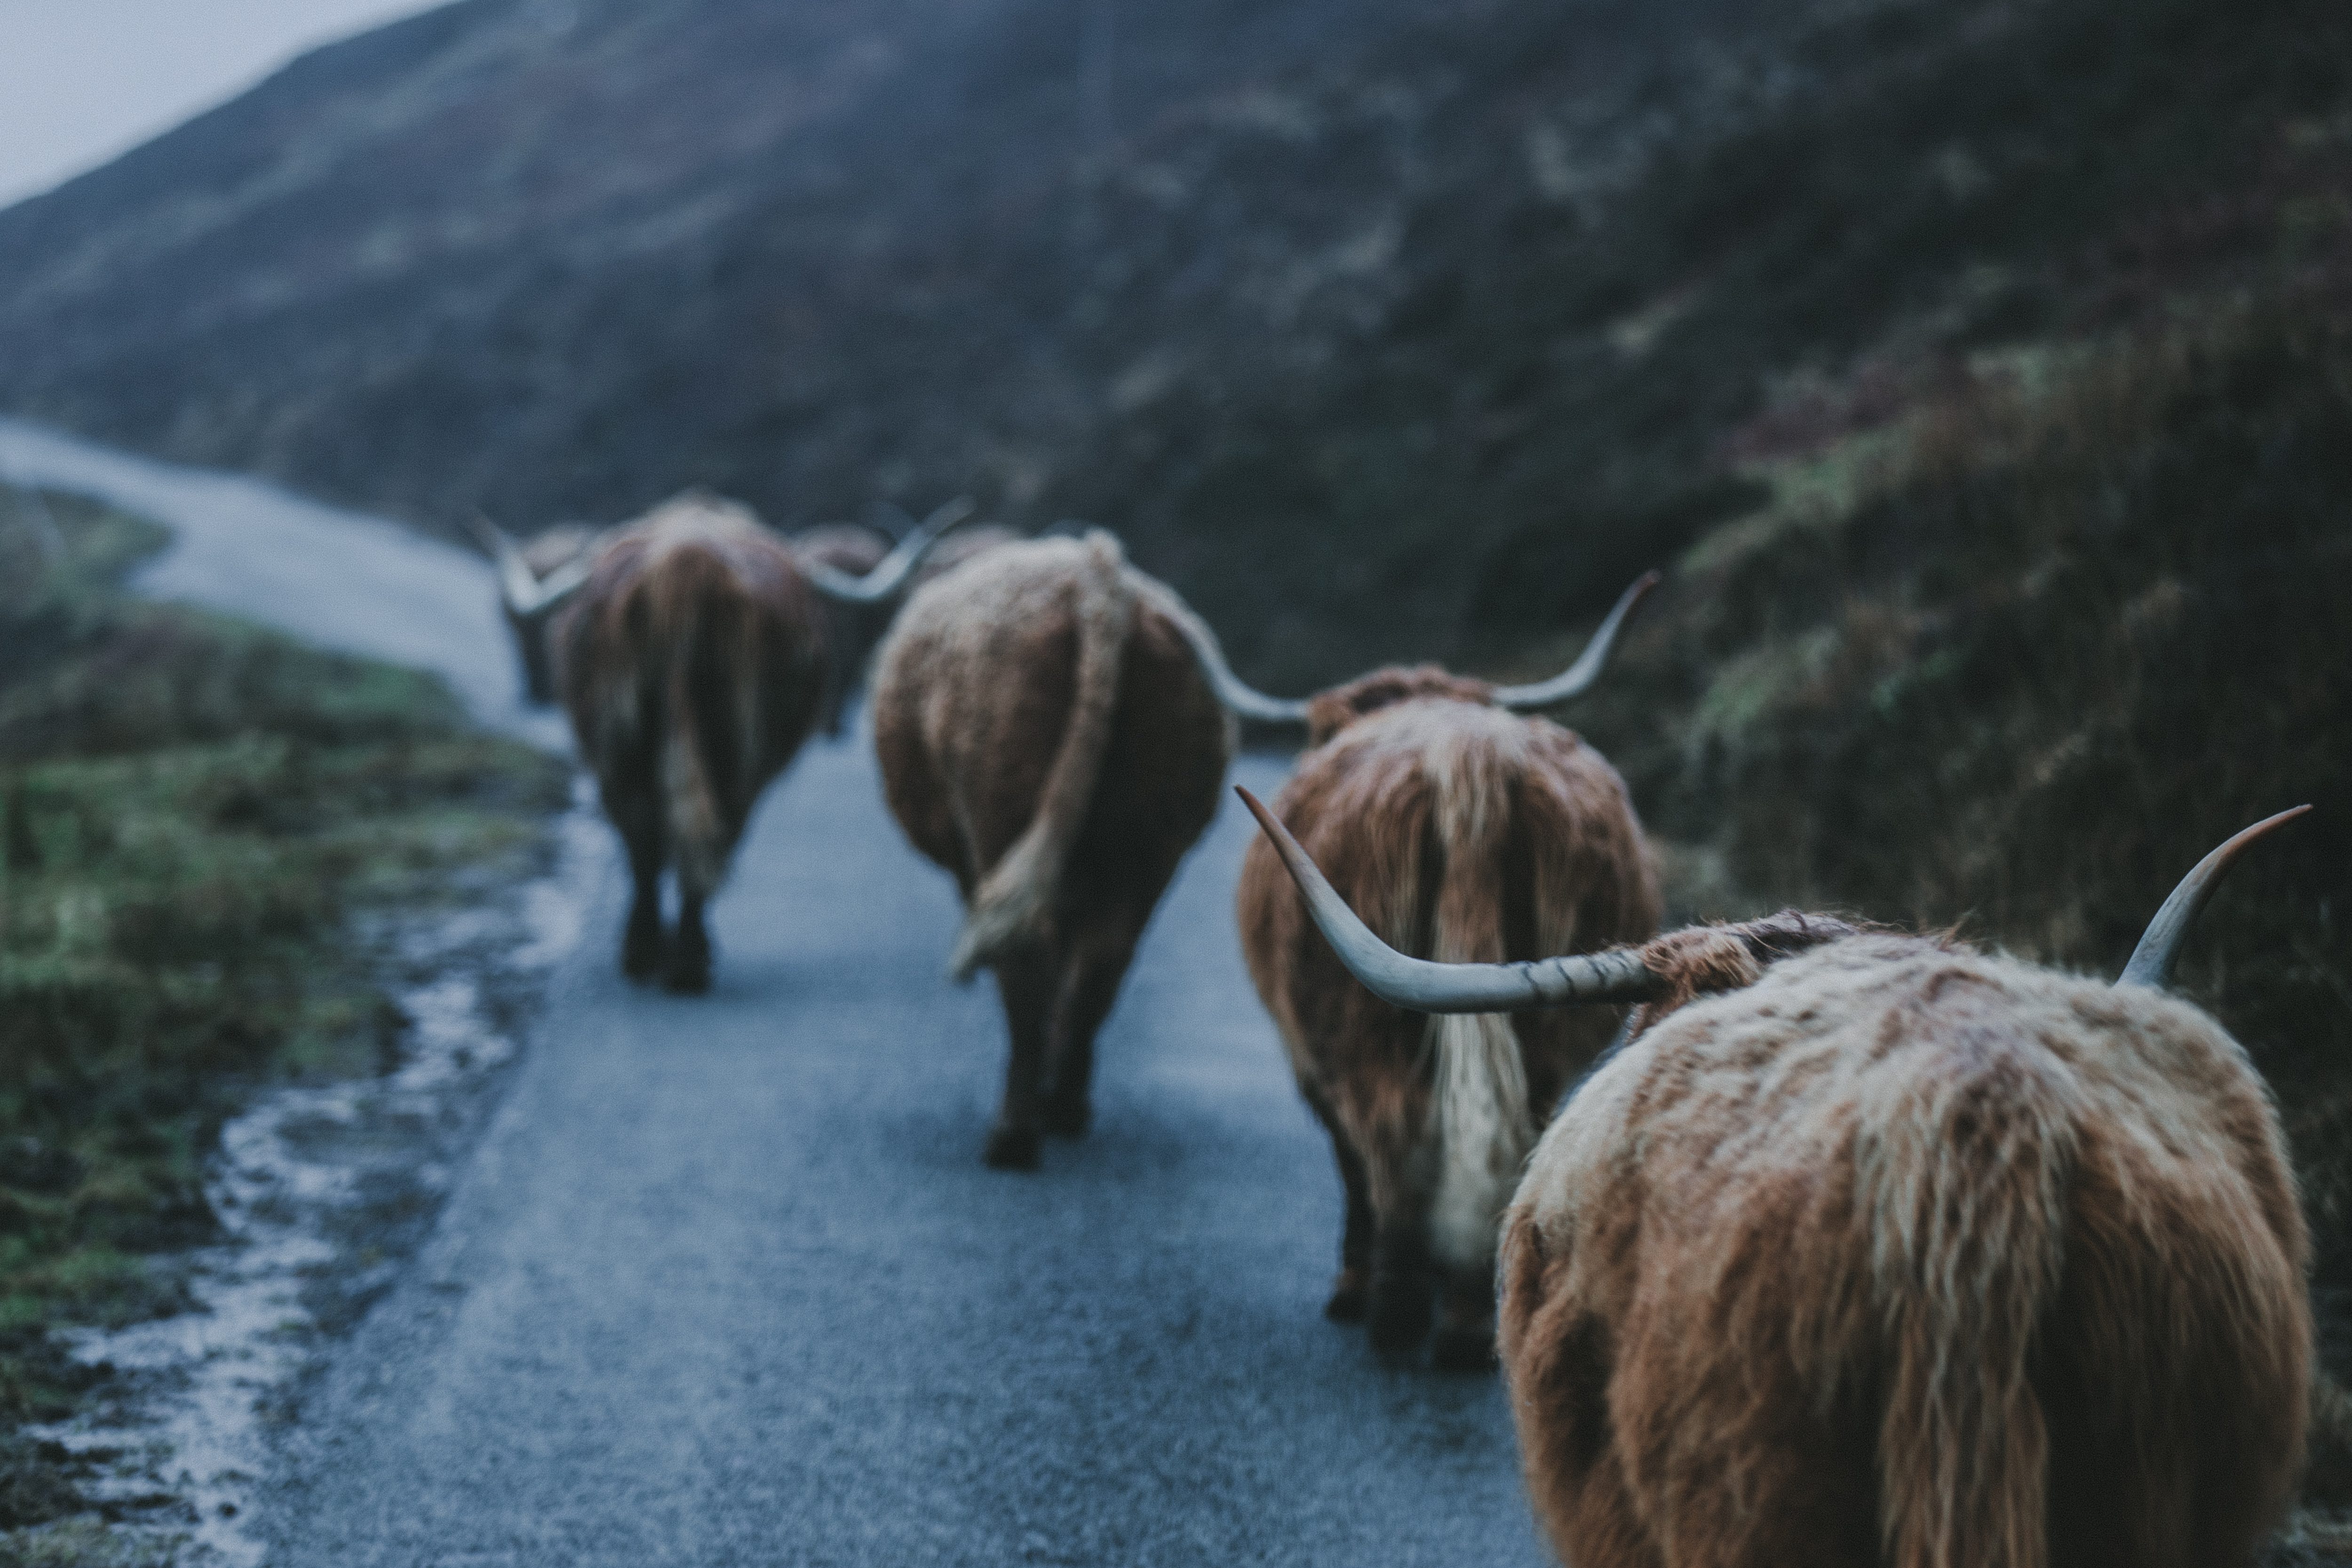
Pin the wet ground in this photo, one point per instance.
(725, 1281)
(322, 1193)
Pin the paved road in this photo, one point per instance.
(726, 1282)
(336, 578)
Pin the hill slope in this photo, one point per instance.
(1401, 327)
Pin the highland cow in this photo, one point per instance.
(692, 659)
(1047, 737)
(1874, 1248)
(1470, 833)
(538, 577)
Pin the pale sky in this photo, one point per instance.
(83, 80)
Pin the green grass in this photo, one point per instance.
(190, 810)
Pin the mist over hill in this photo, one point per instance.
(1383, 328)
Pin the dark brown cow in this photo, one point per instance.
(536, 578)
(1875, 1250)
(692, 662)
(1046, 736)
(1468, 832)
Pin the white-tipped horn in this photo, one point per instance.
(2160, 946)
(893, 569)
(517, 584)
(1573, 680)
(1419, 985)
(566, 579)
(1245, 701)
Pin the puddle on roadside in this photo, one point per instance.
(323, 1193)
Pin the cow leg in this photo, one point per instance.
(1464, 1340)
(1026, 981)
(1400, 1285)
(641, 940)
(1090, 979)
(687, 972)
(1350, 1291)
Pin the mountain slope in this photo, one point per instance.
(1394, 328)
(554, 258)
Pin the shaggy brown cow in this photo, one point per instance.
(1047, 737)
(692, 663)
(1893, 1252)
(1467, 832)
(536, 578)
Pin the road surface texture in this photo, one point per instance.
(726, 1282)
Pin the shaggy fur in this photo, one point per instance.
(1045, 736)
(1464, 833)
(691, 663)
(1903, 1253)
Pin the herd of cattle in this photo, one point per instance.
(1854, 1247)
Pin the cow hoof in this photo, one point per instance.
(1068, 1121)
(1349, 1298)
(1398, 1328)
(641, 955)
(688, 979)
(1012, 1149)
(1458, 1349)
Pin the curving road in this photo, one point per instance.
(725, 1281)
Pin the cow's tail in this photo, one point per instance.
(708, 631)
(1971, 1179)
(1014, 901)
(1481, 1118)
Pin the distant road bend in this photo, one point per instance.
(726, 1282)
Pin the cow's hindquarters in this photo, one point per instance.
(1045, 736)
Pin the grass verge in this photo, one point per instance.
(190, 809)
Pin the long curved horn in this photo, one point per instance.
(892, 570)
(1422, 986)
(1244, 700)
(566, 579)
(526, 595)
(1573, 680)
(517, 584)
(2151, 961)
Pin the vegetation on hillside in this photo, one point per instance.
(189, 810)
(1406, 328)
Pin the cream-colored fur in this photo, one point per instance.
(1480, 1117)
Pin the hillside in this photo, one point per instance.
(1400, 328)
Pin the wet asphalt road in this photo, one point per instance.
(726, 1282)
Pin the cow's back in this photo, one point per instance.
(1903, 1243)
(972, 696)
(695, 616)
